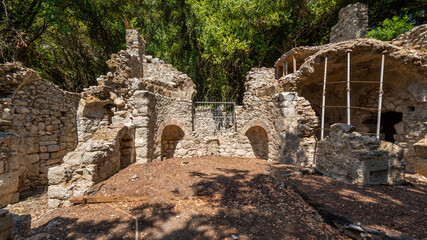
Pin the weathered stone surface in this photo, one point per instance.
(6, 224)
(22, 225)
(352, 23)
(350, 157)
(8, 183)
(414, 39)
(30, 108)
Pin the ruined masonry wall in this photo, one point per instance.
(414, 39)
(300, 124)
(352, 23)
(348, 156)
(255, 133)
(39, 119)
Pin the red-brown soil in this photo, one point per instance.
(222, 198)
(401, 209)
(193, 198)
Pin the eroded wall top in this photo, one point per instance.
(352, 23)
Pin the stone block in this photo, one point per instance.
(141, 152)
(59, 174)
(73, 158)
(23, 110)
(43, 149)
(32, 158)
(44, 156)
(8, 183)
(59, 192)
(141, 121)
(53, 148)
(9, 198)
(22, 225)
(6, 224)
(53, 203)
(45, 143)
(34, 170)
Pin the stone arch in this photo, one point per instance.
(258, 136)
(259, 141)
(171, 122)
(254, 123)
(170, 137)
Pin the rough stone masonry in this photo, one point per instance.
(143, 110)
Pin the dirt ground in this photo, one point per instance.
(226, 198)
(401, 209)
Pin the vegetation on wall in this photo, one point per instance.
(216, 42)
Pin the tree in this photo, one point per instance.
(391, 28)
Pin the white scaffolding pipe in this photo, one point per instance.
(380, 96)
(348, 86)
(322, 128)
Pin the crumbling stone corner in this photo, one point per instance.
(348, 156)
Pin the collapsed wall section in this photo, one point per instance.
(348, 156)
(300, 124)
(37, 127)
(119, 120)
(352, 23)
(188, 130)
(404, 100)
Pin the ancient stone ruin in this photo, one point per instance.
(144, 110)
(352, 23)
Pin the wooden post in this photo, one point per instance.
(294, 60)
(286, 67)
(322, 128)
(348, 86)
(380, 96)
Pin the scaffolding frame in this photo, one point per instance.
(348, 89)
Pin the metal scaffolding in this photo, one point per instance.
(348, 89)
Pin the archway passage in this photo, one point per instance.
(171, 135)
(259, 141)
(126, 148)
(388, 120)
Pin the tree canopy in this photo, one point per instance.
(216, 42)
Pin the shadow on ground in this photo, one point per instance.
(230, 203)
(390, 208)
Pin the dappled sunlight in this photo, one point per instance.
(356, 196)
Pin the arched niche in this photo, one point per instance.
(171, 135)
(259, 141)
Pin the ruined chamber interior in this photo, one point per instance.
(399, 108)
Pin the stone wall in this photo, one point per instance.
(405, 95)
(352, 23)
(186, 130)
(120, 121)
(348, 156)
(109, 150)
(38, 127)
(416, 39)
(6, 224)
(300, 123)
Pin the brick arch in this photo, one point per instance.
(169, 122)
(255, 123)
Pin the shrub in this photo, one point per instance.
(391, 28)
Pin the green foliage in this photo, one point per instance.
(391, 28)
(216, 42)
